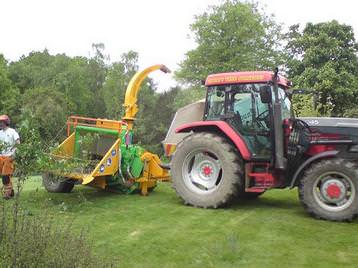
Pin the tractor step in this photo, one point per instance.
(262, 180)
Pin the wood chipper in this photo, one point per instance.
(100, 152)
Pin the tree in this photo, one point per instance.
(47, 108)
(9, 94)
(52, 87)
(80, 79)
(232, 36)
(162, 117)
(73, 82)
(189, 95)
(116, 82)
(323, 57)
(113, 90)
(96, 72)
(32, 71)
(145, 126)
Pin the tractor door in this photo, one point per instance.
(241, 106)
(244, 101)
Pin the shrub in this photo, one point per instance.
(37, 241)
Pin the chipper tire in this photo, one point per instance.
(206, 171)
(329, 190)
(55, 184)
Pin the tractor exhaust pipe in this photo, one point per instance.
(280, 160)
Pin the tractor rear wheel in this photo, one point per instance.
(206, 170)
(56, 184)
(329, 190)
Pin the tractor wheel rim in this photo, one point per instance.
(334, 191)
(202, 171)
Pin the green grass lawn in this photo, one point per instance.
(159, 231)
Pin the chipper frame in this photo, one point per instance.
(100, 152)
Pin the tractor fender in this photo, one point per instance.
(309, 161)
(221, 127)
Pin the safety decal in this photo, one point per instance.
(109, 161)
(114, 152)
(101, 169)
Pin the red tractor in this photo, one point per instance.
(244, 140)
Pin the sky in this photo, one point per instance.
(158, 29)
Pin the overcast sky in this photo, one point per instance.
(157, 29)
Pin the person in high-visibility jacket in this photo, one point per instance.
(8, 140)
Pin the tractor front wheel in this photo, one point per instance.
(206, 170)
(56, 184)
(329, 190)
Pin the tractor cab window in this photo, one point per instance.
(250, 118)
(240, 105)
(245, 102)
(215, 102)
(286, 103)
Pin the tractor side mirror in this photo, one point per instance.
(266, 94)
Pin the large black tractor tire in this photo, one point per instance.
(329, 190)
(212, 155)
(55, 184)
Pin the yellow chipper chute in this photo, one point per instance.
(100, 152)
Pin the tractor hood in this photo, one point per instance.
(334, 122)
(336, 128)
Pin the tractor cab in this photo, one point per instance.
(242, 140)
(246, 107)
(245, 101)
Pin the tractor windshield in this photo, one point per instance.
(243, 99)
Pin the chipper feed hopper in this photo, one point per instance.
(100, 152)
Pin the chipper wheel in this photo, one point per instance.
(329, 190)
(56, 184)
(206, 170)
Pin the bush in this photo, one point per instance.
(37, 241)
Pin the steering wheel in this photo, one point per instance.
(263, 117)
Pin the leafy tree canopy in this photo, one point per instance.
(9, 94)
(232, 36)
(323, 57)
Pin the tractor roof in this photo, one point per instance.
(243, 78)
